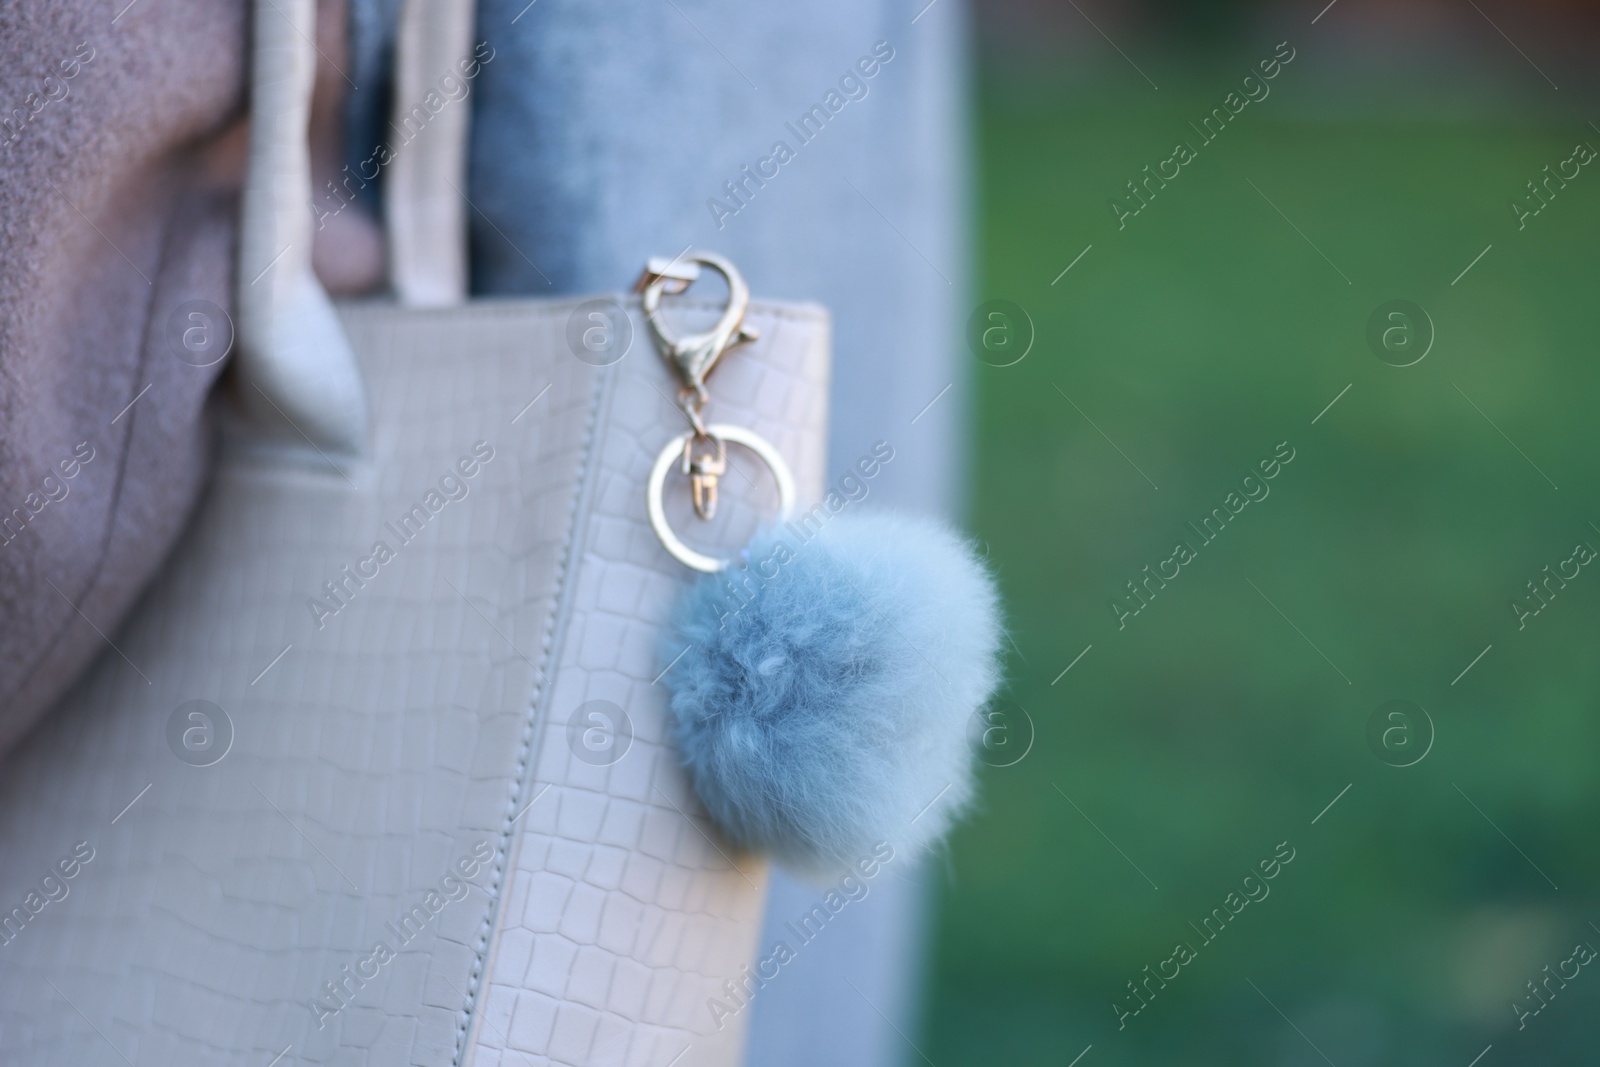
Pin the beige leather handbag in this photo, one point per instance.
(378, 772)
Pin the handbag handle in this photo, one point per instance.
(294, 360)
(425, 210)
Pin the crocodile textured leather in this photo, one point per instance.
(384, 743)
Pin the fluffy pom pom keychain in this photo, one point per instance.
(821, 710)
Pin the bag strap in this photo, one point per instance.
(425, 209)
(294, 360)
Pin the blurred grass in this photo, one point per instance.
(1209, 730)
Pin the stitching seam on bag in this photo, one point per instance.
(564, 567)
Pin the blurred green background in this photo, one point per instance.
(1213, 727)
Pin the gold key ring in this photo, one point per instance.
(673, 453)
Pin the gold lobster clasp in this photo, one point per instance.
(692, 356)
